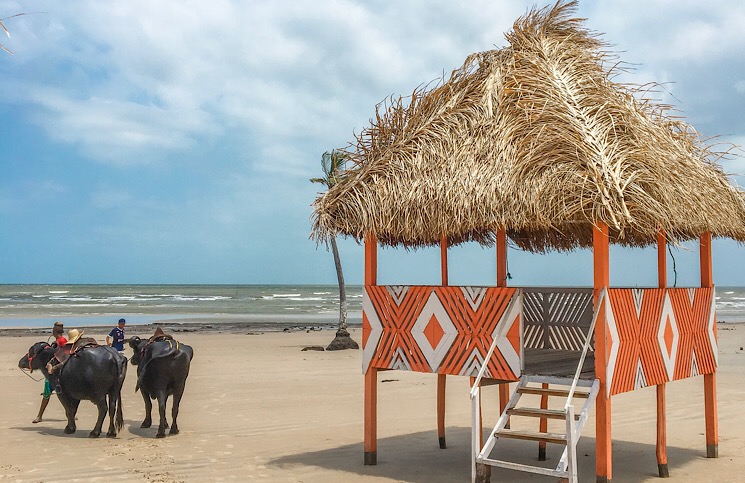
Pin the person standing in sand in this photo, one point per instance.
(116, 337)
(58, 333)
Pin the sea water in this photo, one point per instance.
(91, 305)
(95, 305)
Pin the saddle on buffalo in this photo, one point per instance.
(159, 335)
(77, 344)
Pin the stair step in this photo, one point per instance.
(538, 413)
(532, 436)
(526, 468)
(550, 392)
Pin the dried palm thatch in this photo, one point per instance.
(535, 138)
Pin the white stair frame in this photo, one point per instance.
(567, 466)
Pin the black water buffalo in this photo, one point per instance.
(94, 374)
(162, 369)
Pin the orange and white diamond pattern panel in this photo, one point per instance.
(434, 332)
(447, 330)
(658, 335)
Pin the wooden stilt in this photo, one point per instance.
(603, 455)
(371, 416)
(710, 380)
(441, 382)
(441, 378)
(661, 452)
(501, 242)
(662, 468)
(543, 426)
(371, 376)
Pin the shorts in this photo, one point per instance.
(47, 389)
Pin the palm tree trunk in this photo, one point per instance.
(342, 287)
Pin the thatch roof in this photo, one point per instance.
(536, 138)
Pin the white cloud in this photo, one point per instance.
(138, 79)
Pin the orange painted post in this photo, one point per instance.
(371, 376)
(441, 378)
(371, 416)
(371, 260)
(603, 455)
(543, 426)
(444, 260)
(504, 389)
(502, 258)
(662, 467)
(441, 384)
(710, 380)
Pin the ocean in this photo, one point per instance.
(96, 305)
(38, 306)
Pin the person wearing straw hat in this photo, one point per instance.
(72, 336)
(58, 331)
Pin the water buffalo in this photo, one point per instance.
(162, 368)
(93, 374)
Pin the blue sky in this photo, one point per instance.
(172, 141)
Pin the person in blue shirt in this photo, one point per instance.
(116, 337)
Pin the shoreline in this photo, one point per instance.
(207, 325)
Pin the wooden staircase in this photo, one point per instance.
(571, 390)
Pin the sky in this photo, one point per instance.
(173, 141)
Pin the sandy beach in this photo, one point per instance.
(258, 408)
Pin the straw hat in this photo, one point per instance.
(73, 335)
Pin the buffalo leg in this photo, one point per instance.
(102, 409)
(112, 411)
(148, 421)
(174, 410)
(71, 409)
(162, 398)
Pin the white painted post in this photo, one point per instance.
(475, 429)
(571, 445)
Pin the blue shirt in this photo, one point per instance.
(117, 335)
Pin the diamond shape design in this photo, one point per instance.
(372, 330)
(668, 337)
(640, 380)
(474, 296)
(473, 365)
(508, 334)
(400, 361)
(711, 328)
(442, 332)
(434, 332)
(612, 338)
(397, 292)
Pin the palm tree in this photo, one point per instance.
(333, 165)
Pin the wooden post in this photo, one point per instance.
(501, 242)
(543, 421)
(603, 455)
(543, 426)
(662, 467)
(371, 376)
(441, 378)
(710, 380)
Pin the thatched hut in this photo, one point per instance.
(538, 144)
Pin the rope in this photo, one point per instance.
(30, 376)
